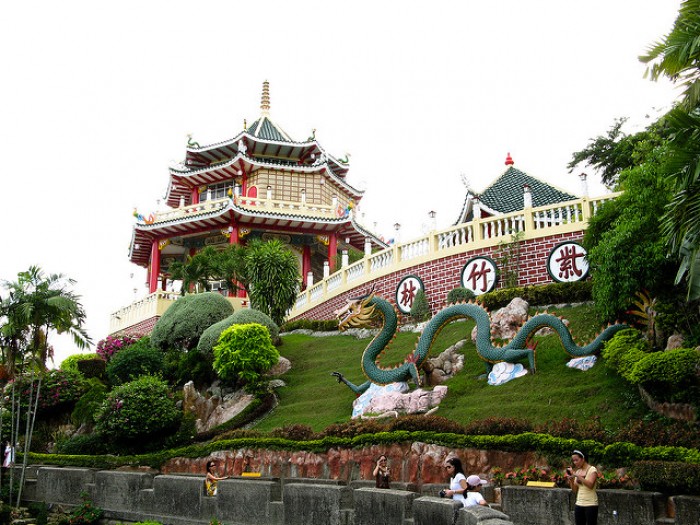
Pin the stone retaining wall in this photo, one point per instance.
(181, 500)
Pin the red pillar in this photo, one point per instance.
(305, 265)
(332, 250)
(195, 196)
(155, 267)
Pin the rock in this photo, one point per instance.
(276, 383)
(283, 366)
(394, 398)
(213, 411)
(440, 368)
(675, 341)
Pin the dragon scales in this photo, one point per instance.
(359, 311)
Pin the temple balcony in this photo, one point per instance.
(257, 204)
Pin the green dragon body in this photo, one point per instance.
(359, 311)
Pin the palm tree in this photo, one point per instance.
(677, 56)
(37, 305)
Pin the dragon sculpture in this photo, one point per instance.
(359, 311)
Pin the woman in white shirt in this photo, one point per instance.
(458, 481)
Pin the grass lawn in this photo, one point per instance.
(313, 397)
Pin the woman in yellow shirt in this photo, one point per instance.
(583, 479)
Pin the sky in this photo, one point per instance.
(97, 99)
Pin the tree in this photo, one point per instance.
(625, 249)
(617, 151)
(273, 278)
(244, 353)
(677, 56)
(37, 305)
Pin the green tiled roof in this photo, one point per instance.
(265, 129)
(506, 193)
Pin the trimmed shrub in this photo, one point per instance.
(420, 309)
(459, 295)
(184, 322)
(89, 444)
(211, 335)
(668, 477)
(317, 325)
(244, 353)
(136, 360)
(140, 412)
(180, 367)
(93, 368)
(624, 350)
(70, 363)
(554, 293)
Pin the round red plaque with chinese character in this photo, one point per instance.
(567, 263)
(406, 292)
(479, 275)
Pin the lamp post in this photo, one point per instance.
(432, 214)
(397, 227)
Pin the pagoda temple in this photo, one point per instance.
(259, 184)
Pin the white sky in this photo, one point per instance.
(96, 99)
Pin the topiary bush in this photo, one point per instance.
(667, 477)
(420, 309)
(211, 335)
(180, 367)
(671, 375)
(623, 350)
(88, 444)
(554, 293)
(139, 414)
(93, 368)
(70, 363)
(185, 321)
(317, 325)
(244, 353)
(459, 295)
(139, 359)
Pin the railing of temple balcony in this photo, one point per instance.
(252, 203)
(489, 231)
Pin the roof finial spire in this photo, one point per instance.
(509, 160)
(265, 101)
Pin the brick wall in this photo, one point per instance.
(442, 275)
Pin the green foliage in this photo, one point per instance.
(93, 368)
(668, 477)
(59, 389)
(89, 403)
(420, 309)
(273, 275)
(211, 335)
(315, 325)
(88, 444)
(84, 514)
(133, 361)
(183, 323)
(508, 259)
(70, 363)
(459, 295)
(39, 510)
(244, 353)
(192, 365)
(624, 349)
(670, 376)
(554, 293)
(138, 412)
(627, 253)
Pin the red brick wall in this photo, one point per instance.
(442, 275)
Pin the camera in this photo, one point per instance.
(569, 471)
(442, 493)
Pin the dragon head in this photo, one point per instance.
(356, 313)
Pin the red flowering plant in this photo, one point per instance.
(110, 345)
(58, 388)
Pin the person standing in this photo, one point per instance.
(458, 481)
(210, 483)
(381, 473)
(583, 479)
(473, 495)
